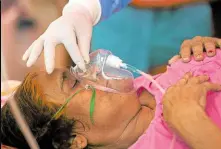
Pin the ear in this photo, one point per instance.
(79, 142)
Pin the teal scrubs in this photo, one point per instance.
(147, 38)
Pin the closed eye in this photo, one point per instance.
(75, 83)
(64, 77)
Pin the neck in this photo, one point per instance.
(138, 125)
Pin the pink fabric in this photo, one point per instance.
(158, 135)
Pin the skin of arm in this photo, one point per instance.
(184, 105)
(197, 130)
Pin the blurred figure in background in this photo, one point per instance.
(154, 34)
(152, 31)
(22, 21)
(13, 43)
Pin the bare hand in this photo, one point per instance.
(185, 97)
(197, 46)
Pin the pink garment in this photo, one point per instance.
(158, 135)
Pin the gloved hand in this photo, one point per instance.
(73, 29)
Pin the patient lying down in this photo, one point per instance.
(120, 121)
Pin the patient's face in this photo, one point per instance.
(112, 112)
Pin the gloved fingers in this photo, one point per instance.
(84, 35)
(28, 52)
(35, 52)
(73, 50)
(49, 55)
(197, 48)
(185, 51)
(174, 59)
(210, 46)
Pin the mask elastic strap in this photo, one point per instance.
(92, 103)
(58, 113)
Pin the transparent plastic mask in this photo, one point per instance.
(104, 77)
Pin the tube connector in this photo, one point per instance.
(114, 61)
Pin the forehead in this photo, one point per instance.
(45, 77)
(42, 75)
(48, 83)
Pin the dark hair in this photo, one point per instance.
(50, 134)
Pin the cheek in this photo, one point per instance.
(79, 104)
(110, 109)
(114, 110)
(106, 114)
(104, 111)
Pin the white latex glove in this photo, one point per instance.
(73, 29)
